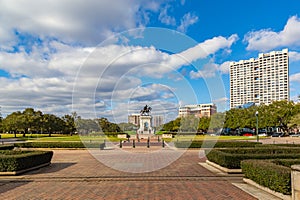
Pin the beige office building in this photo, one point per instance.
(260, 80)
(198, 110)
(134, 119)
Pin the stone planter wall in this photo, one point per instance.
(296, 182)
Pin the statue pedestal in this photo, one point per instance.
(145, 125)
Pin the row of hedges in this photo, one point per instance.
(6, 147)
(67, 145)
(231, 158)
(214, 144)
(11, 160)
(278, 145)
(259, 150)
(268, 174)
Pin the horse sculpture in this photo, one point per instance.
(146, 110)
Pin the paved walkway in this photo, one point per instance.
(76, 174)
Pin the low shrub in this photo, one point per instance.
(268, 174)
(286, 162)
(6, 147)
(11, 160)
(214, 144)
(231, 158)
(67, 145)
(278, 145)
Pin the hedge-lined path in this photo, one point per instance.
(75, 174)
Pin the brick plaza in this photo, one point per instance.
(76, 174)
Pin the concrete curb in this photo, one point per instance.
(224, 169)
(277, 194)
(13, 173)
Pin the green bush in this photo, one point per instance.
(11, 160)
(273, 150)
(231, 158)
(268, 174)
(68, 145)
(286, 162)
(6, 147)
(278, 145)
(214, 144)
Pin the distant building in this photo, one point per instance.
(134, 119)
(261, 80)
(157, 120)
(198, 110)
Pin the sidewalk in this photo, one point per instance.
(75, 174)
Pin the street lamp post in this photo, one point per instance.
(256, 115)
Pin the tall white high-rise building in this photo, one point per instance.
(260, 80)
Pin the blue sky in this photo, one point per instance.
(104, 59)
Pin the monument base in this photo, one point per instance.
(144, 136)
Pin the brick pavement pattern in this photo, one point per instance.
(76, 174)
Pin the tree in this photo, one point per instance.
(217, 121)
(189, 124)
(295, 121)
(203, 125)
(281, 113)
(85, 126)
(107, 126)
(11, 122)
(70, 126)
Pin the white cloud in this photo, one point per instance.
(267, 39)
(203, 50)
(295, 77)
(87, 22)
(294, 56)
(107, 73)
(165, 18)
(210, 70)
(225, 67)
(187, 20)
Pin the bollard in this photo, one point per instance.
(102, 146)
(133, 143)
(163, 143)
(148, 143)
(158, 140)
(120, 143)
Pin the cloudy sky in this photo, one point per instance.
(108, 58)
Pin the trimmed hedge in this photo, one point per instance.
(68, 145)
(278, 145)
(214, 144)
(286, 162)
(11, 160)
(268, 174)
(6, 147)
(231, 158)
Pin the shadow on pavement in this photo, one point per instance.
(53, 167)
(10, 185)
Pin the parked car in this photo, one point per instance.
(262, 134)
(247, 134)
(277, 134)
(295, 135)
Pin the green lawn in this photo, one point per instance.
(74, 138)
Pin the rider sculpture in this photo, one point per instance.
(146, 110)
